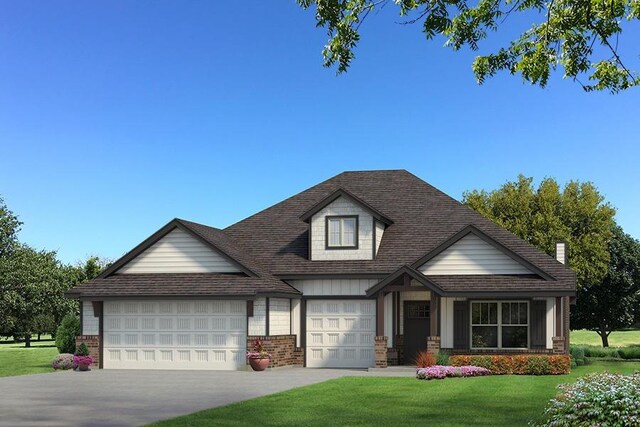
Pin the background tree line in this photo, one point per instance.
(33, 283)
(605, 258)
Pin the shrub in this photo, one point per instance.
(82, 350)
(425, 359)
(442, 358)
(438, 372)
(66, 334)
(596, 400)
(526, 364)
(629, 352)
(62, 361)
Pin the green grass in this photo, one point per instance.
(15, 359)
(509, 400)
(616, 339)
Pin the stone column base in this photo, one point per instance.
(558, 345)
(433, 344)
(381, 351)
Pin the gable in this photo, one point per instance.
(342, 206)
(472, 255)
(179, 252)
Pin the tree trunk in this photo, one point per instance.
(38, 336)
(605, 337)
(27, 341)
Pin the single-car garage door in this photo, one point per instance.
(340, 333)
(179, 334)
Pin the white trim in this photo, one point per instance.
(499, 325)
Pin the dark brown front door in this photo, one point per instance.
(416, 329)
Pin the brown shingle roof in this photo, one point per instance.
(161, 285)
(274, 243)
(423, 217)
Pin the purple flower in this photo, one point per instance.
(439, 372)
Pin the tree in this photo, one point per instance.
(580, 36)
(612, 304)
(66, 334)
(32, 285)
(576, 214)
(9, 228)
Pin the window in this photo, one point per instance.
(500, 324)
(342, 232)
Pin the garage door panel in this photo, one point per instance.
(340, 333)
(175, 335)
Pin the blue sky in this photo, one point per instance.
(117, 116)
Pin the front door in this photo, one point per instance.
(416, 329)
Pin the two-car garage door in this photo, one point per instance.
(180, 334)
(340, 333)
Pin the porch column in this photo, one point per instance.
(380, 315)
(558, 339)
(433, 340)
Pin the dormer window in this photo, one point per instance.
(342, 232)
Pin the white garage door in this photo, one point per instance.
(175, 334)
(340, 333)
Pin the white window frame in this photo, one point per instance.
(341, 219)
(499, 325)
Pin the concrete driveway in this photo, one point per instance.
(132, 398)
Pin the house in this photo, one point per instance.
(362, 270)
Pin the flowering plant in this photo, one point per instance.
(82, 360)
(601, 399)
(258, 351)
(63, 361)
(438, 372)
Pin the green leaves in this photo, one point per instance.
(563, 35)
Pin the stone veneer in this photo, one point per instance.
(433, 344)
(93, 343)
(381, 352)
(558, 345)
(282, 348)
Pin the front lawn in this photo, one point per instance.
(15, 359)
(356, 401)
(616, 339)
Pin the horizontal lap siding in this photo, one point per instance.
(179, 252)
(257, 323)
(89, 321)
(472, 255)
(279, 316)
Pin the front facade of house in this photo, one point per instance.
(362, 270)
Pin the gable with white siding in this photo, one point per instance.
(179, 252)
(472, 255)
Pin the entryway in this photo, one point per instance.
(416, 329)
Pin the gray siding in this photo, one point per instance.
(472, 255)
(179, 252)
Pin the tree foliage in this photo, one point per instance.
(9, 228)
(542, 216)
(67, 332)
(613, 303)
(581, 36)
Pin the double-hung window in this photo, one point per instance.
(499, 324)
(342, 232)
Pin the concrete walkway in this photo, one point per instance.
(132, 398)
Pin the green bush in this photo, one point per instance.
(442, 358)
(66, 334)
(629, 352)
(596, 400)
(82, 350)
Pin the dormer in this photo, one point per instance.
(344, 227)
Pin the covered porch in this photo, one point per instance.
(466, 315)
